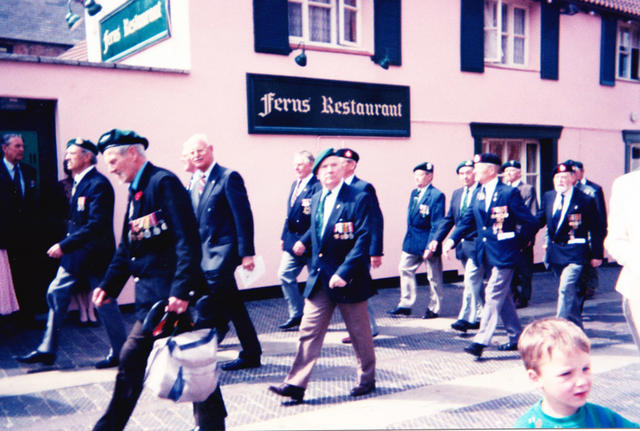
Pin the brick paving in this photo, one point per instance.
(424, 379)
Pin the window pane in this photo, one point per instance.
(320, 1)
(623, 64)
(319, 19)
(350, 2)
(624, 38)
(513, 150)
(295, 19)
(350, 33)
(505, 21)
(490, 44)
(518, 21)
(532, 158)
(506, 52)
(490, 16)
(518, 50)
(496, 147)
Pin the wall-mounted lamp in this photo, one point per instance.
(301, 59)
(71, 18)
(383, 62)
(92, 7)
(569, 9)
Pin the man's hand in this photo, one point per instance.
(55, 251)
(336, 281)
(100, 297)
(433, 246)
(447, 245)
(177, 305)
(299, 248)
(281, 245)
(376, 261)
(247, 263)
(427, 253)
(596, 262)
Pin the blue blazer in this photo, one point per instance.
(165, 257)
(298, 215)
(561, 249)
(595, 191)
(375, 216)
(343, 248)
(225, 223)
(16, 214)
(501, 250)
(465, 249)
(423, 220)
(89, 244)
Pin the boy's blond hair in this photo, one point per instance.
(540, 337)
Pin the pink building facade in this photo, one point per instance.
(535, 81)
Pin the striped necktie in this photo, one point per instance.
(16, 180)
(320, 215)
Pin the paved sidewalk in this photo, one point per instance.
(424, 379)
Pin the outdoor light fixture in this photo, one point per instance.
(92, 7)
(71, 18)
(384, 62)
(301, 59)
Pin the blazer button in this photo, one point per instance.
(484, 240)
(133, 259)
(484, 228)
(136, 279)
(319, 254)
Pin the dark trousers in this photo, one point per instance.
(521, 282)
(230, 307)
(129, 381)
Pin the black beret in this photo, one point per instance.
(465, 163)
(426, 166)
(323, 155)
(487, 158)
(116, 137)
(512, 164)
(84, 143)
(563, 167)
(348, 153)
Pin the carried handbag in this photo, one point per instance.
(183, 367)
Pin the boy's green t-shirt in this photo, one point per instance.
(588, 416)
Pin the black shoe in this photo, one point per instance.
(429, 314)
(108, 362)
(508, 347)
(284, 390)
(363, 389)
(475, 325)
(241, 364)
(404, 311)
(475, 349)
(460, 325)
(36, 357)
(291, 323)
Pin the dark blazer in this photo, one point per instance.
(562, 251)
(465, 249)
(528, 193)
(16, 214)
(165, 258)
(225, 223)
(343, 248)
(595, 191)
(298, 215)
(499, 250)
(423, 220)
(89, 244)
(375, 216)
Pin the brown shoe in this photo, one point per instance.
(296, 393)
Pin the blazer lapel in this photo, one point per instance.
(335, 214)
(208, 187)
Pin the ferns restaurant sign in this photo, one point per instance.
(133, 26)
(290, 105)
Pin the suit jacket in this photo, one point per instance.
(561, 248)
(500, 249)
(595, 191)
(423, 220)
(160, 246)
(343, 248)
(298, 215)
(528, 193)
(225, 223)
(89, 244)
(375, 216)
(623, 238)
(465, 249)
(16, 213)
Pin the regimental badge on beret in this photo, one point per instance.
(347, 153)
(426, 166)
(487, 158)
(464, 164)
(83, 143)
(117, 137)
(562, 167)
(512, 164)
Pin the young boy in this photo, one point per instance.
(555, 352)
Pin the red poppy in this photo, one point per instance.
(138, 196)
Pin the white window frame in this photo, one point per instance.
(509, 33)
(633, 42)
(337, 21)
(530, 168)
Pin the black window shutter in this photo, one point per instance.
(472, 35)
(634, 63)
(608, 50)
(387, 28)
(271, 26)
(550, 32)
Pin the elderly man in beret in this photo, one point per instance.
(160, 248)
(472, 297)
(84, 253)
(339, 239)
(521, 283)
(575, 235)
(426, 210)
(497, 209)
